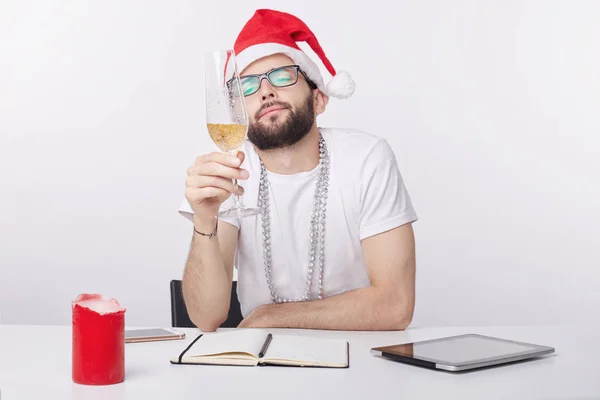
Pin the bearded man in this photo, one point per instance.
(333, 246)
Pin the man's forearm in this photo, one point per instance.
(206, 284)
(368, 308)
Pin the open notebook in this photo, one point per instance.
(246, 347)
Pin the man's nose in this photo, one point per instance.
(266, 91)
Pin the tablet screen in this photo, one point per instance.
(460, 349)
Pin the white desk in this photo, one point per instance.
(35, 363)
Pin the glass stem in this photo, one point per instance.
(236, 197)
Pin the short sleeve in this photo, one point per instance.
(186, 211)
(385, 202)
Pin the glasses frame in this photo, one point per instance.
(265, 75)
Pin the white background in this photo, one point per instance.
(491, 107)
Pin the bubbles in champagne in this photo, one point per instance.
(227, 137)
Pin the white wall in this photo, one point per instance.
(491, 107)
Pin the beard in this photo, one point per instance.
(286, 133)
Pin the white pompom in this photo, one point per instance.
(341, 85)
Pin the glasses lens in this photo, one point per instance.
(250, 84)
(284, 76)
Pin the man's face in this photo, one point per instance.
(279, 116)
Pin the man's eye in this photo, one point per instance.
(249, 85)
(282, 77)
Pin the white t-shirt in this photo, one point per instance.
(366, 196)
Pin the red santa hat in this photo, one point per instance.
(270, 32)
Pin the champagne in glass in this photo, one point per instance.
(228, 137)
(226, 114)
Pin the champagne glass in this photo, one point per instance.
(226, 114)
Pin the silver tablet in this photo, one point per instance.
(462, 352)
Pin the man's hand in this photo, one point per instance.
(257, 318)
(209, 184)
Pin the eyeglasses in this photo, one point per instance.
(277, 77)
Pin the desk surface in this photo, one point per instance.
(35, 362)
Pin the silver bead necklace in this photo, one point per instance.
(316, 253)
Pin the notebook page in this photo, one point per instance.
(237, 341)
(308, 350)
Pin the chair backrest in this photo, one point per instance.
(181, 319)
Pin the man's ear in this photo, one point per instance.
(321, 100)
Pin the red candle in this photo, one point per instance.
(98, 340)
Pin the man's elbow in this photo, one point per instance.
(207, 323)
(205, 317)
(400, 315)
(403, 321)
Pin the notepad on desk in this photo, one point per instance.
(252, 347)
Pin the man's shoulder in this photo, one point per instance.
(352, 139)
(355, 144)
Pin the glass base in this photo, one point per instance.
(240, 212)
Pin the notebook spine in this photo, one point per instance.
(187, 348)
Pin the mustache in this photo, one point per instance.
(271, 104)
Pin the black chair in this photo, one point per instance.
(181, 319)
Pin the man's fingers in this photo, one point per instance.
(221, 158)
(217, 169)
(201, 181)
(207, 193)
(241, 156)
